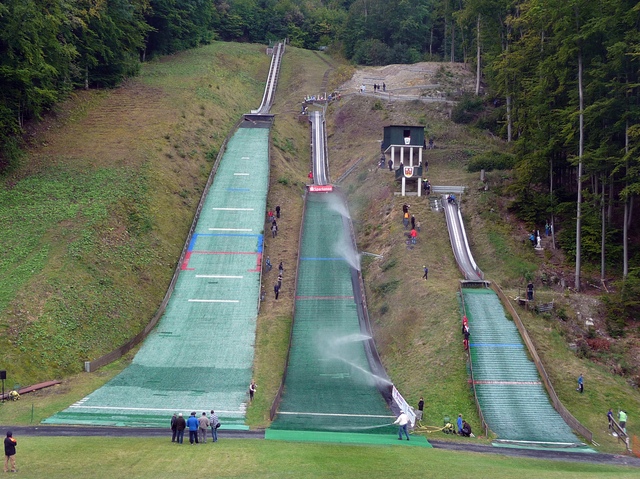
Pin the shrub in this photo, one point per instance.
(491, 160)
(385, 288)
(377, 105)
(388, 265)
(468, 104)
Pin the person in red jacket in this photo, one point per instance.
(10, 452)
(414, 233)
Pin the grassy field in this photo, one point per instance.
(159, 458)
(94, 221)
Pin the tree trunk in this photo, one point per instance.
(580, 154)
(602, 239)
(444, 40)
(453, 42)
(478, 57)
(553, 229)
(625, 226)
(509, 118)
(431, 45)
(610, 207)
(86, 77)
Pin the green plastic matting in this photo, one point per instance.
(344, 438)
(513, 399)
(329, 386)
(200, 355)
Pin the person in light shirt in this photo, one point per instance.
(402, 421)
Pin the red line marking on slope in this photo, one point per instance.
(187, 257)
(518, 383)
(324, 297)
(258, 265)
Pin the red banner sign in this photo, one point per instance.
(320, 188)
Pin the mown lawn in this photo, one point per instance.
(158, 458)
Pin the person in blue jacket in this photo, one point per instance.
(193, 425)
(460, 424)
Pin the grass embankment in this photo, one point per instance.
(157, 458)
(94, 221)
(301, 72)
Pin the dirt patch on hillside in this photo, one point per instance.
(435, 76)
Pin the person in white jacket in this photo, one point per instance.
(402, 421)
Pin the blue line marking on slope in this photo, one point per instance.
(260, 243)
(193, 242)
(497, 345)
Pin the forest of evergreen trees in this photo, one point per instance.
(566, 73)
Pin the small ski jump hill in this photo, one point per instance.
(510, 393)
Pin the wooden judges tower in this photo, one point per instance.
(405, 145)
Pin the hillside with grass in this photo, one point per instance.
(95, 219)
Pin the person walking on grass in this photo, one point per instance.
(405, 220)
(610, 419)
(10, 452)
(268, 264)
(580, 384)
(414, 234)
(193, 425)
(278, 211)
(280, 268)
(274, 228)
(426, 272)
(402, 422)
(181, 425)
(413, 222)
(214, 422)
(622, 420)
(252, 389)
(460, 424)
(276, 290)
(270, 216)
(174, 427)
(203, 421)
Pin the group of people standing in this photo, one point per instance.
(198, 427)
(274, 230)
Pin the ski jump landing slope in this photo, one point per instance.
(329, 385)
(511, 395)
(200, 355)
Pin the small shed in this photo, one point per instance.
(396, 135)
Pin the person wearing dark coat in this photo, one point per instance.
(174, 427)
(276, 290)
(181, 425)
(390, 165)
(10, 452)
(278, 211)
